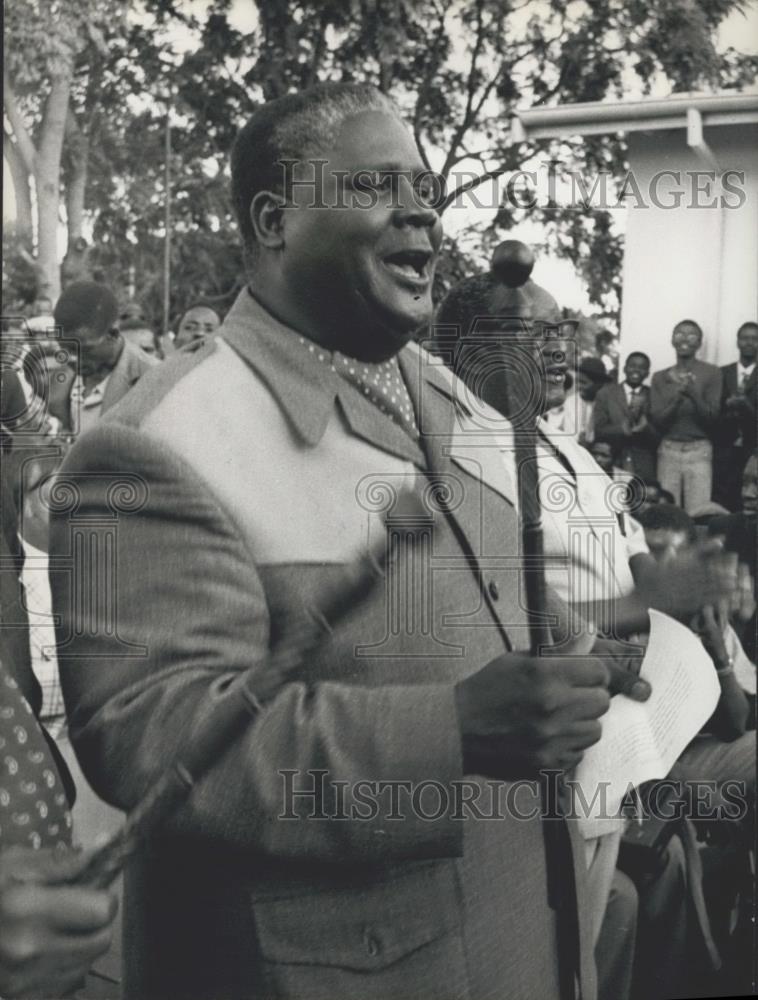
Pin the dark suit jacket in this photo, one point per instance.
(732, 425)
(610, 413)
(254, 474)
(131, 365)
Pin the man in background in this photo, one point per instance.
(736, 431)
(621, 418)
(685, 401)
(197, 323)
(108, 366)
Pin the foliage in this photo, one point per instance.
(457, 70)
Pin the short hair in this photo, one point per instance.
(638, 354)
(689, 322)
(292, 128)
(604, 337)
(198, 305)
(667, 517)
(750, 325)
(86, 303)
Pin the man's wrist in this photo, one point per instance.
(724, 667)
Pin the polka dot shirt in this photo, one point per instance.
(33, 808)
(381, 383)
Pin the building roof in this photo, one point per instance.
(598, 117)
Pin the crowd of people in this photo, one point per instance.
(197, 499)
(691, 431)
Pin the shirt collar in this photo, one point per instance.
(303, 385)
(743, 370)
(307, 389)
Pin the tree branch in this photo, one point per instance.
(468, 118)
(472, 183)
(23, 138)
(21, 190)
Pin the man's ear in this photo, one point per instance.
(267, 217)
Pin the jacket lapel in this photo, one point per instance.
(620, 394)
(450, 448)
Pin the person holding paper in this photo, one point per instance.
(724, 751)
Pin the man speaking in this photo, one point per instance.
(268, 456)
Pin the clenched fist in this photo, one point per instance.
(521, 714)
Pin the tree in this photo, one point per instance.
(457, 70)
(44, 41)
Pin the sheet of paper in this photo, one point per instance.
(641, 741)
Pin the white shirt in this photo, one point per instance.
(85, 410)
(582, 518)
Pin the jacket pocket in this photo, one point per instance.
(362, 928)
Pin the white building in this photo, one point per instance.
(691, 246)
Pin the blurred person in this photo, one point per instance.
(685, 400)
(652, 494)
(51, 931)
(139, 335)
(197, 323)
(606, 345)
(724, 751)
(81, 390)
(735, 436)
(107, 366)
(738, 530)
(578, 405)
(621, 417)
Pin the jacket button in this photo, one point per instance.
(494, 590)
(373, 946)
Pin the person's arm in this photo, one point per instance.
(702, 575)
(189, 594)
(665, 398)
(615, 432)
(729, 719)
(708, 399)
(190, 600)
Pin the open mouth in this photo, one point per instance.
(556, 374)
(410, 265)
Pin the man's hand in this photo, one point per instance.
(623, 662)
(703, 574)
(50, 931)
(521, 713)
(737, 402)
(641, 425)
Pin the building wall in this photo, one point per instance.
(690, 261)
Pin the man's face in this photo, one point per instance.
(97, 352)
(195, 324)
(686, 340)
(363, 273)
(750, 486)
(636, 370)
(601, 452)
(586, 387)
(664, 543)
(141, 338)
(747, 344)
(555, 356)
